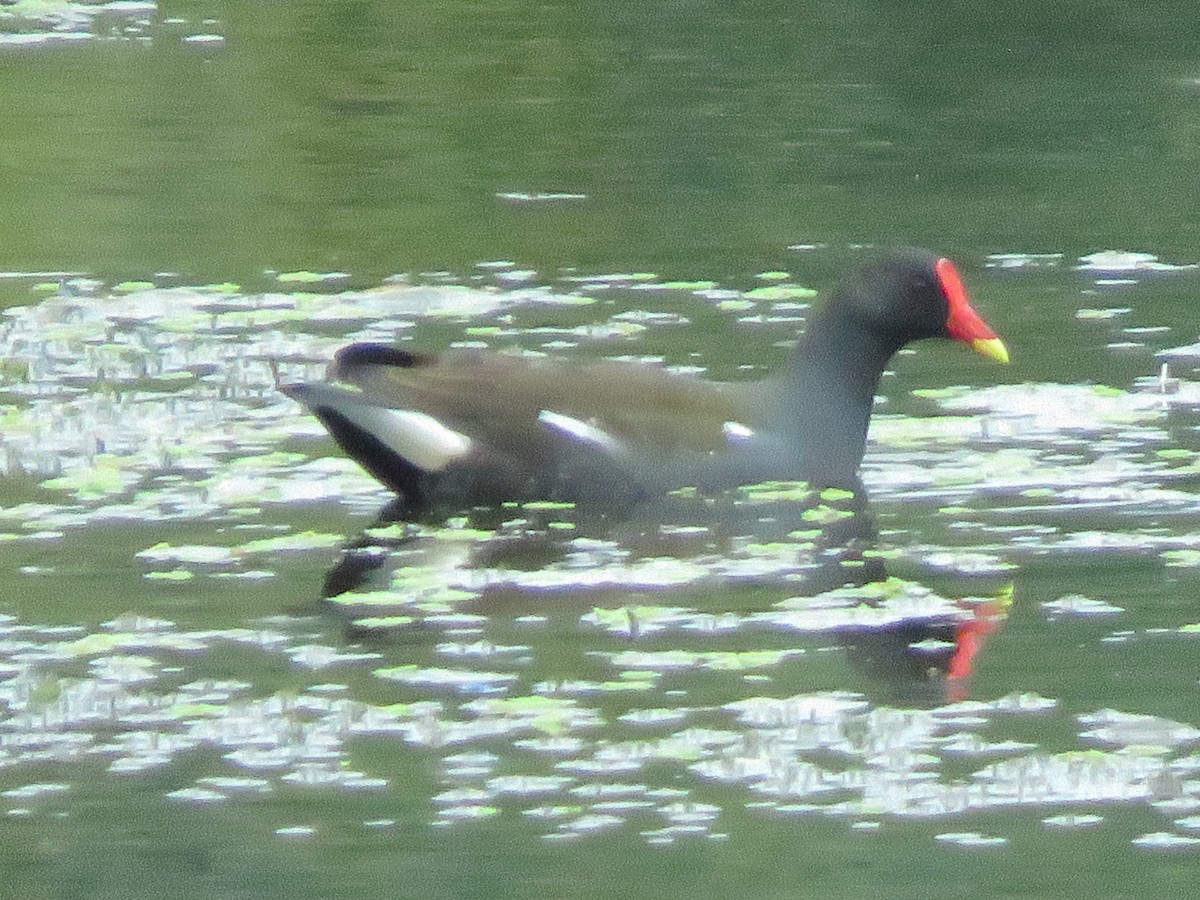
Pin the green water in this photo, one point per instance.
(590, 714)
(376, 138)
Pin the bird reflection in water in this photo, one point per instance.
(755, 545)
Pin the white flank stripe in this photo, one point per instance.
(579, 430)
(736, 431)
(419, 438)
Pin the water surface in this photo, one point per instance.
(545, 706)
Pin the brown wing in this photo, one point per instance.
(498, 398)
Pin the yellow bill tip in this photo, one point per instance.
(991, 347)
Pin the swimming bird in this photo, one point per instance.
(457, 430)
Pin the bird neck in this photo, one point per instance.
(825, 397)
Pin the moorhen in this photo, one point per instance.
(452, 431)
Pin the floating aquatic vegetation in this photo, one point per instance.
(1073, 820)
(1188, 354)
(41, 23)
(296, 832)
(584, 683)
(1024, 260)
(970, 839)
(161, 402)
(464, 680)
(776, 292)
(1052, 409)
(1078, 605)
(1165, 840)
(726, 661)
(1126, 261)
(1109, 312)
(37, 789)
(540, 196)
(1111, 726)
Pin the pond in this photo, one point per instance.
(224, 672)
